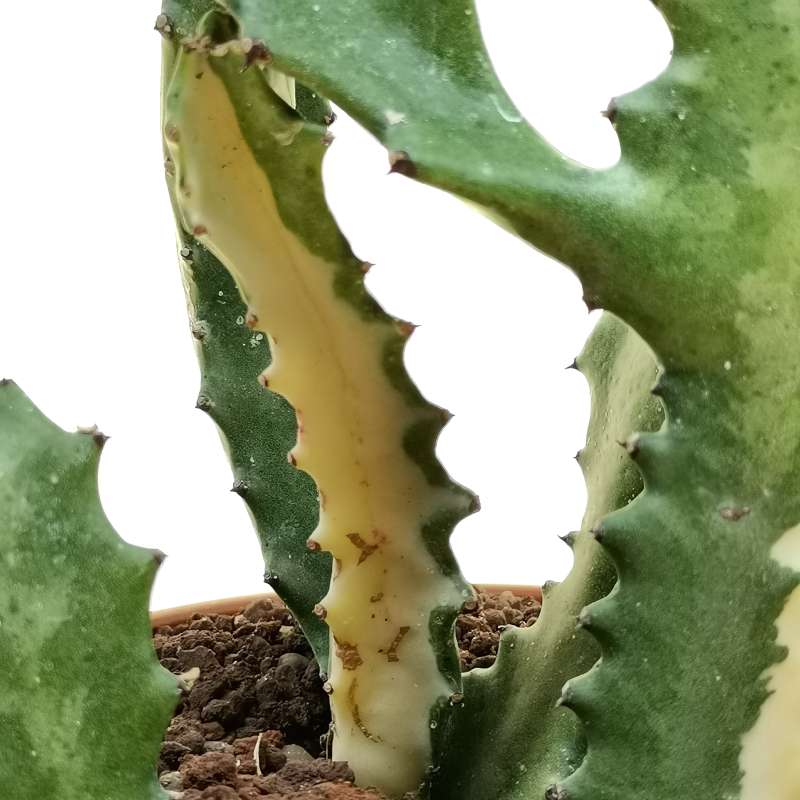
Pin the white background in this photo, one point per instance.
(92, 318)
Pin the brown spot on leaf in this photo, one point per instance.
(391, 653)
(348, 654)
(365, 547)
(733, 513)
(351, 696)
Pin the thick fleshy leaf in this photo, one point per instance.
(509, 738)
(246, 168)
(83, 700)
(258, 428)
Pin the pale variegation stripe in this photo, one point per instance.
(328, 362)
(770, 757)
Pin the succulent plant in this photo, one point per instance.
(84, 701)
(668, 662)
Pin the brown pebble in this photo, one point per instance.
(209, 769)
(513, 616)
(219, 793)
(495, 617)
(482, 643)
(330, 790)
(259, 610)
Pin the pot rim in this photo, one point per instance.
(234, 605)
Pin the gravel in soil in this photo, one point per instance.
(253, 718)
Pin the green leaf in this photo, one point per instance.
(689, 635)
(510, 739)
(258, 428)
(246, 177)
(83, 700)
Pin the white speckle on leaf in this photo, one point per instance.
(394, 117)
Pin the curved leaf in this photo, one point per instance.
(83, 701)
(509, 738)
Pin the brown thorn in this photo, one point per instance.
(258, 53)
(98, 437)
(611, 111)
(164, 26)
(400, 163)
(240, 487)
(405, 328)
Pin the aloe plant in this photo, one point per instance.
(668, 661)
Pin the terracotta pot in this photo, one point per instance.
(234, 605)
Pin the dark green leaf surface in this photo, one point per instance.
(258, 428)
(83, 700)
